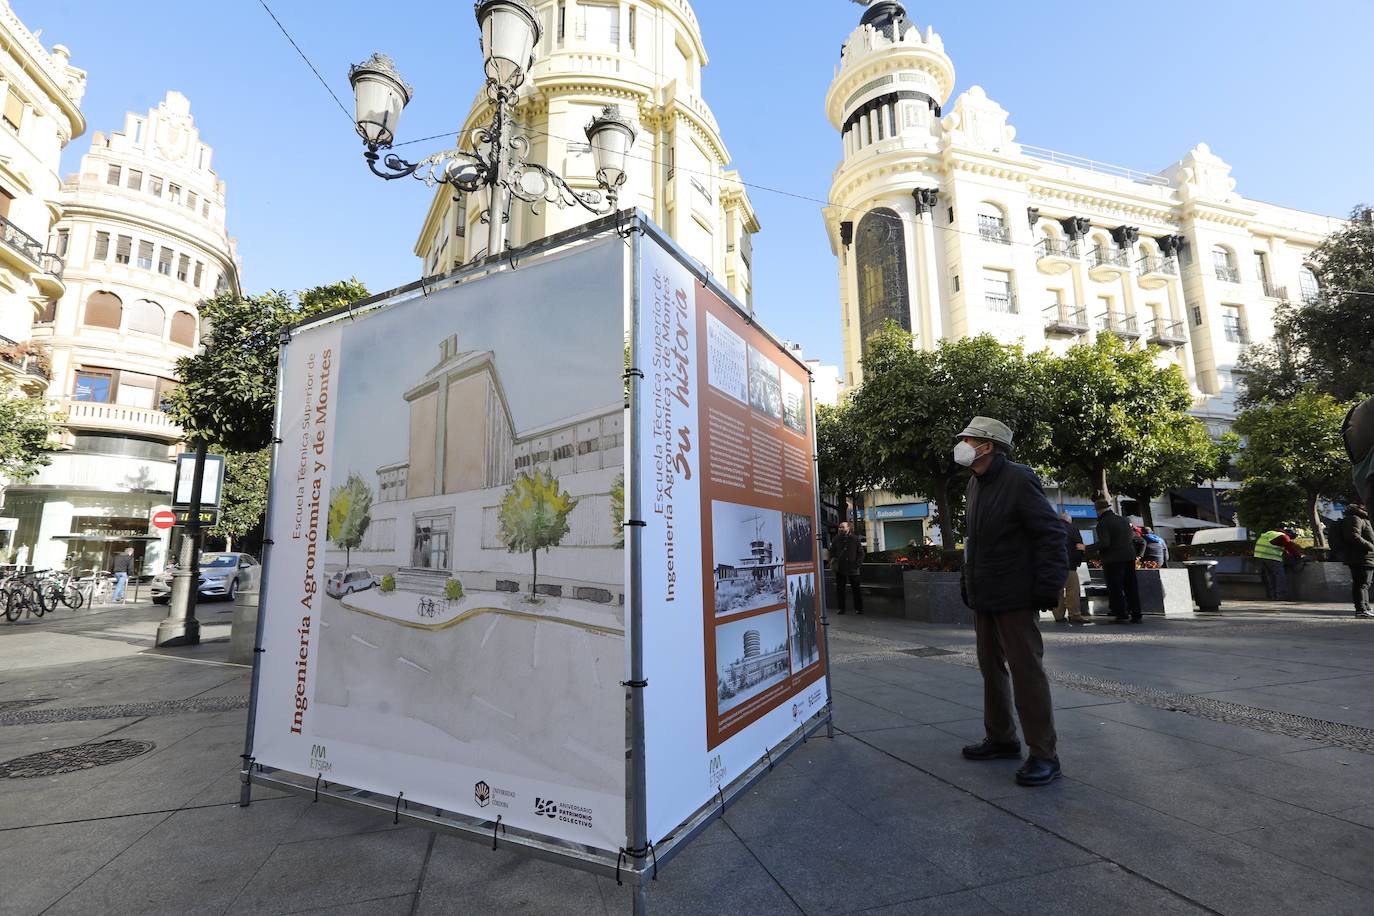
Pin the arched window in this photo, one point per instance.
(880, 257)
(184, 329)
(147, 317)
(104, 310)
(1224, 263)
(1307, 283)
(992, 223)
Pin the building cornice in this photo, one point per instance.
(38, 69)
(77, 211)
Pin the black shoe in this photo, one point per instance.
(840, 611)
(1117, 620)
(1037, 772)
(1136, 620)
(987, 749)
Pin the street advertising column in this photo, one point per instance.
(731, 576)
(445, 613)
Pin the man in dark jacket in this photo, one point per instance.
(1359, 555)
(1015, 564)
(847, 557)
(1117, 550)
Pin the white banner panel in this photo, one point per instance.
(446, 606)
(733, 650)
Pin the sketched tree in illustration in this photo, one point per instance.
(350, 512)
(618, 510)
(534, 517)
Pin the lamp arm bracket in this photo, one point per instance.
(535, 184)
(436, 169)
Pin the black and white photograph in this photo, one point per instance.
(765, 391)
(726, 363)
(799, 538)
(747, 557)
(751, 656)
(793, 404)
(801, 614)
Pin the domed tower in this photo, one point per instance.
(886, 100)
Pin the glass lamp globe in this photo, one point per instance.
(379, 97)
(611, 135)
(510, 30)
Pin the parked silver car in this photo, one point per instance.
(222, 575)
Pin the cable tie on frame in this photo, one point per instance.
(618, 859)
(493, 831)
(635, 684)
(768, 754)
(721, 792)
(268, 542)
(318, 777)
(636, 373)
(276, 440)
(258, 650)
(635, 523)
(396, 815)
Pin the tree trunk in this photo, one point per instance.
(228, 544)
(1100, 491)
(348, 556)
(1318, 535)
(942, 505)
(534, 580)
(1147, 516)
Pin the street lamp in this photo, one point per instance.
(497, 167)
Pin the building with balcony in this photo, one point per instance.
(942, 222)
(41, 95)
(143, 237)
(645, 56)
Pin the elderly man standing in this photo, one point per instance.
(1015, 563)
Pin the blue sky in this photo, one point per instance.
(1279, 90)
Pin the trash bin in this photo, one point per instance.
(1202, 581)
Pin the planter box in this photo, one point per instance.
(1162, 591)
(933, 597)
(1320, 582)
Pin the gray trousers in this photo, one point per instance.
(1011, 640)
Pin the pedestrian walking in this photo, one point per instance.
(122, 567)
(1070, 607)
(1271, 548)
(1015, 565)
(1358, 541)
(1117, 551)
(847, 558)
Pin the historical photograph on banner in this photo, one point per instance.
(751, 656)
(471, 599)
(748, 558)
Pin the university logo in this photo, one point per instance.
(546, 807)
(482, 793)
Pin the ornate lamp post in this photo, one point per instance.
(498, 166)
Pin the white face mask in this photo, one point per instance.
(965, 454)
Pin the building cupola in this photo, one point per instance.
(889, 17)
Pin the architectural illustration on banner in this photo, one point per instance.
(765, 391)
(793, 404)
(747, 562)
(751, 657)
(801, 608)
(474, 611)
(726, 363)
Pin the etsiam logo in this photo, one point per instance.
(482, 794)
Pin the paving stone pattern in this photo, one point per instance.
(1212, 766)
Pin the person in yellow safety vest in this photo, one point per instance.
(1270, 549)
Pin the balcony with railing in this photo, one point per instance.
(119, 418)
(29, 362)
(1106, 263)
(1236, 333)
(1066, 320)
(995, 232)
(17, 241)
(1156, 271)
(1273, 291)
(1166, 333)
(1227, 274)
(1000, 302)
(1054, 256)
(1123, 326)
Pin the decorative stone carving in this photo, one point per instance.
(1032, 216)
(926, 199)
(1125, 236)
(1075, 227)
(847, 233)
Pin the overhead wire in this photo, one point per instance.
(307, 61)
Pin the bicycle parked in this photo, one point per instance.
(24, 594)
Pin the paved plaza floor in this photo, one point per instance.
(1213, 765)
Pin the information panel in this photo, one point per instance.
(445, 614)
(731, 579)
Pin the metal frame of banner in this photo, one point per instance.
(637, 865)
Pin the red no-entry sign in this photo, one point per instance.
(164, 519)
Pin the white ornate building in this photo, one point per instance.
(646, 57)
(944, 223)
(143, 235)
(41, 96)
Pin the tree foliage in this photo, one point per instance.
(350, 514)
(229, 389)
(27, 431)
(843, 464)
(534, 516)
(1324, 343)
(914, 402)
(1172, 456)
(243, 498)
(1263, 504)
(1298, 442)
(1104, 402)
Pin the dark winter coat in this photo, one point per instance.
(1155, 550)
(1359, 540)
(1014, 552)
(123, 563)
(1116, 539)
(1073, 544)
(847, 554)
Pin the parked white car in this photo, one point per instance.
(350, 580)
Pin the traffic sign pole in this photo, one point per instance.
(180, 627)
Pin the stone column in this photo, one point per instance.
(933, 312)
